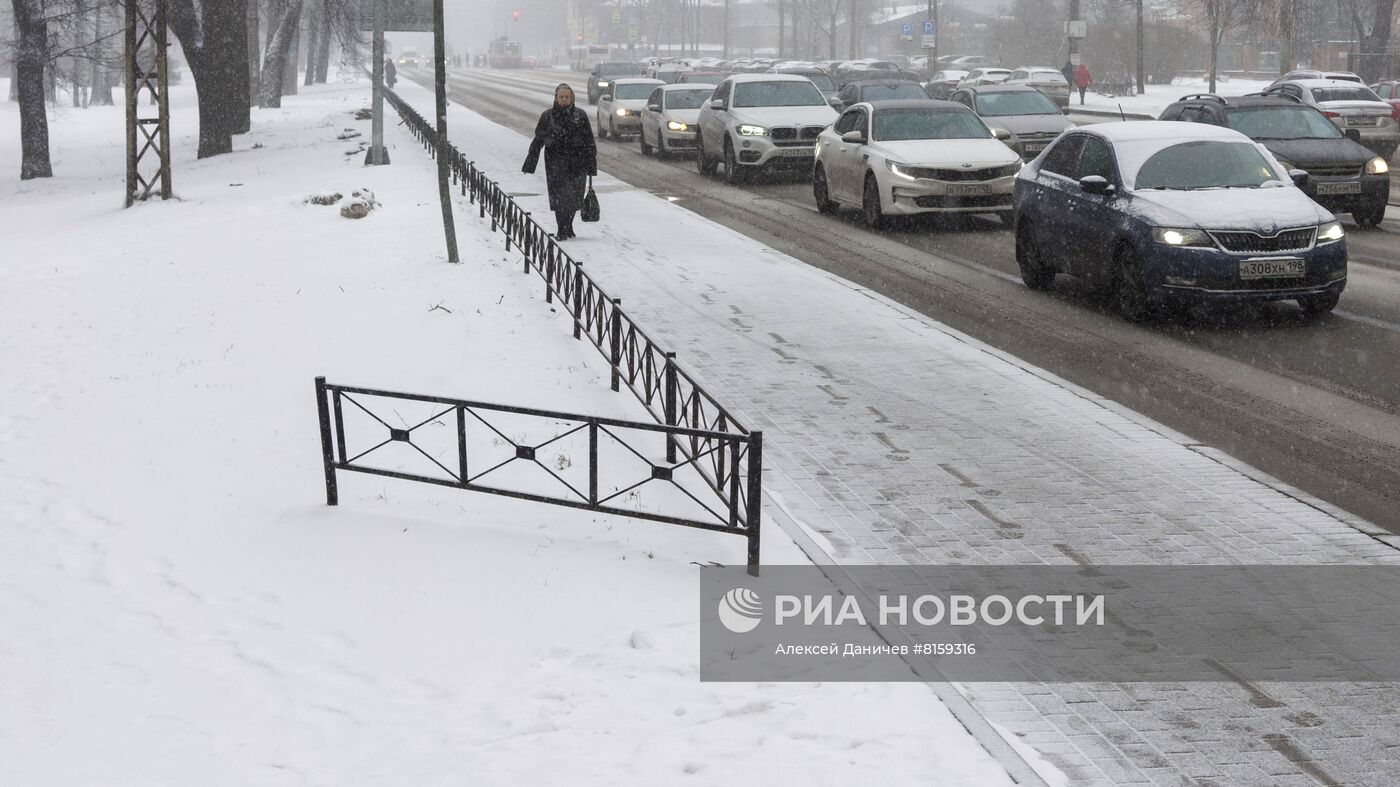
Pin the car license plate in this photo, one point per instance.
(1280, 268)
(1033, 147)
(796, 152)
(968, 189)
(1345, 187)
(1356, 120)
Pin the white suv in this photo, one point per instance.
(761, 120)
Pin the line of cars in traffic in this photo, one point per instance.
(1222, 199)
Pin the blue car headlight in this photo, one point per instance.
(1182, 237)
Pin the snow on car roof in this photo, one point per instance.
(768, 78)
(1165, 130)
(1322, 83)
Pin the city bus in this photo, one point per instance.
(504, 54)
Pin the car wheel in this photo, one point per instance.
(702, 161)
(602, 132)
(1008, 218)
(646, 149)
(733, 175)
(1034, 272)
(1320, 304)
(825, 204)
(1131, 288)
(661, 151)
(870, 204)
(612, 129)
(1370, 216)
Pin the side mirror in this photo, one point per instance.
(834, 102)
(854, 137)
(1095, 184)
(1352, 134)
(653, 107)
(717, 105)
(1001, 134)
(1299, 177)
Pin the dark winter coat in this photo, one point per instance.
(570, 155)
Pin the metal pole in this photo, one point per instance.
(163, 101)
(376, 154)
(327, 460)
(616, 344)
(726, 31)
(132, 65)
(755, 505)
(669, 404)
(933, 50)
(1141, 55)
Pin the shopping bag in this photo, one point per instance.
(591, 210)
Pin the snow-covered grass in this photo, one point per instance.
(179, 606)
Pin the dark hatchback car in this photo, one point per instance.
(1161, 213)
(1343, 175)
(603, 74)
(853, 93)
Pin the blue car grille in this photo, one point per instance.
(1253, 242)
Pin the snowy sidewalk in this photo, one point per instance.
(893, 439)
(179, 606)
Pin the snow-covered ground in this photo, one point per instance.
(179, 606)
(1158, 97)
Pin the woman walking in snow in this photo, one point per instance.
(570, 157)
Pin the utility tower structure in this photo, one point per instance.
(147, 137)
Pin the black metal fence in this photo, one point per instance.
(505, 450)
(695, 425)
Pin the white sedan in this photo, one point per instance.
(909, 157)
(621, 105)
(672, 117)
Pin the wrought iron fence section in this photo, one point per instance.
(729, 506)
(652, 374)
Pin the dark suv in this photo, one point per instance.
(1343, 176)
(603, 74)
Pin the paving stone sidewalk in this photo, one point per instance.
(901, 441)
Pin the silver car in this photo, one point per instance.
(1031, 116)
(621, 104)
(671, 119)
(1047, 80)
(1354, 108)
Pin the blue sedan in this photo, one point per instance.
(1162, 213)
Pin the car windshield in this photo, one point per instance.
(1358, 93)
(888, 92)
(1195, 165)
(1015, 102)
(618, 70)
(1282, 123)
(778, 94)
(893, 125)
(822, 81)
(687, 99)
(633, 91)
(701, 79)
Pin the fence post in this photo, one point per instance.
(327, 461)
(592, 462)
(755, 505)
(578, 300)
(669, 403)
(529, 234)
(549, 275)
(616, 327)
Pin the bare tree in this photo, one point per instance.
(215, 39)
(1372, 20)
(279, 49)
(30, 57)
(1222, 16)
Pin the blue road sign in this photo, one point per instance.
(930, 28)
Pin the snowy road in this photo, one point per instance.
(1313, 404)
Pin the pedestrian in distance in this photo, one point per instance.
(391, 72)
(1082, 80)
(570, 157)
(1068, 71)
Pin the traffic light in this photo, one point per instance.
(579, 38)
(515, 15)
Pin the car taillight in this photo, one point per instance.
(1326, 113)
(1395, 112)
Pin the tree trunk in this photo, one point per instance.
(313, 41)
(278, 47)
(33, 40)
(215, 47)
(782, 20)
(1215, 37)
(323, 55)
(289, 68)
(254, 49)
(1373, 38)
(101, 74)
